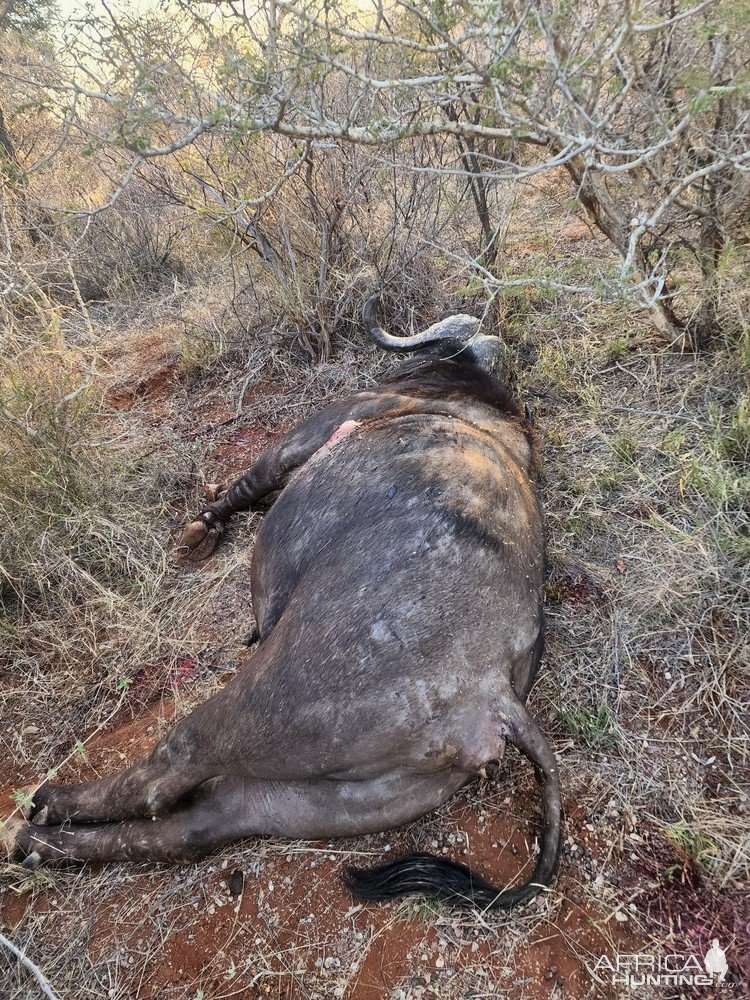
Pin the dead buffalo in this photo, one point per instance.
(397, 587)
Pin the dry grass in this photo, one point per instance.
(646, 509)
(83, 561)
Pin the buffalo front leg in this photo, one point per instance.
(225, 809)
(267, 475)
(274, 467)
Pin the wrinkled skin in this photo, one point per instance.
(397, 586)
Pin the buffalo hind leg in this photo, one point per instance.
(188, 755)
(150, 787)
(186, 834)
(225, 809)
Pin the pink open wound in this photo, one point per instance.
(344, 431)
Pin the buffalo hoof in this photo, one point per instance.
(14, 834)
(199, 540)
(40, 794)
(40, 818)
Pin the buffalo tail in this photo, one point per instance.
(426, 874)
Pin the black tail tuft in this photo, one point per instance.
(427, 875)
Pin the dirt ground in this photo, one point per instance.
(643, 709)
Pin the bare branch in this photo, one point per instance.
(44, 985)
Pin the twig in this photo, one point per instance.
(44, 986)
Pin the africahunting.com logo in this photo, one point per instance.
(672, 969)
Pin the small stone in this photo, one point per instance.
(440, 962)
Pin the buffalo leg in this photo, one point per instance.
(141, 790)
(272, 470)
(225, 809)
(150, 787)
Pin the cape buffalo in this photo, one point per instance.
(397, 587)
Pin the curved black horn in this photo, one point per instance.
(459, 327)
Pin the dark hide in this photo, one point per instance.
(397, 586)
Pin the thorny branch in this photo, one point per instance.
(625, 100)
